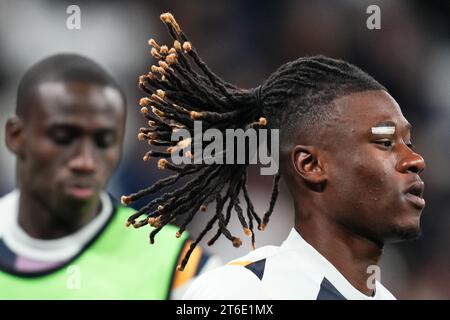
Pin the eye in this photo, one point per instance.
(62, 136)
(384, 142)
(105, 139)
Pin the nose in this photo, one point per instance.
(411, 162)
(83, 159)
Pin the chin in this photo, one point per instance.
(72, 204)
(79, 203)
(405, 233)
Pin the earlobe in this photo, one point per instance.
(14, 136)
(308, 164)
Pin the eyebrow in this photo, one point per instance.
(385, 124)
(387, 127)
(77, 128)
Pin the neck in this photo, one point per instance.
(40, 221)
(351, 254)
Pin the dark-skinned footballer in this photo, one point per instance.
(346, 157)
(61, 233)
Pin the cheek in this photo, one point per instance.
(43, 157)
(43, 166)
(372, 179)
(108, 162)
(366, 182)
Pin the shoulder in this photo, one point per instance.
(256, 255)
(239, 279)
(9, 200)
(8, 207)
(229, 282)
(383, 293)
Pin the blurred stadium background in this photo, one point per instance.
(244, 41)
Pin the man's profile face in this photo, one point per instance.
(373, 175)
(73, 135)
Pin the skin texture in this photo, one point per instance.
(350, 186)
(67, 149)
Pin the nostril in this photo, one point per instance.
(414, 169)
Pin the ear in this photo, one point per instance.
(309, 164)
(14, 136)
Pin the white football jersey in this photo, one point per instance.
(294, 270)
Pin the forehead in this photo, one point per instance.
(363, 110)
(77, 103)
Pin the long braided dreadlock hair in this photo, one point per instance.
(181, 88)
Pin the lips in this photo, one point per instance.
(80, 191)
(414, 194)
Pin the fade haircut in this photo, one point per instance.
(60, 68)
